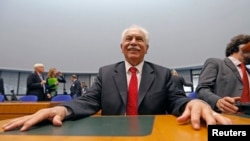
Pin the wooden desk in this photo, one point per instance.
(164, 128)
(16, 109)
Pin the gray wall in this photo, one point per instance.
(82, 35)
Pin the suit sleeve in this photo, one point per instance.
(207, 79)
(61, 79)
(186, 83)
(88, 104)
(32, 83)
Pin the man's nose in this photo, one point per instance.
(133, 41)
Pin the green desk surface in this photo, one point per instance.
(95, 126)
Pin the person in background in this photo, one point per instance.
(2, 91)
(180, 81)
(150, 91)
(36, 83)
(220, 81)
(75, 88)
(54, 78)
(84, 88)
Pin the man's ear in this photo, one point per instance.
(147, 48)
(121, 47)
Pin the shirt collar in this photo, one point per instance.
(235, 61)
(138, 67)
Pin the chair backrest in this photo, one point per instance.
(29, 98)
(61, 97)
(192, 95)
(1, 98)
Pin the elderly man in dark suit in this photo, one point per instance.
(220, 81)
(36, 83)
(152, 89)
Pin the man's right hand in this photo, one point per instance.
(55, 115)
(227, 104)
(43, 82)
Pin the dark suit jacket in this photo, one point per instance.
(2, 91)
(157, 94)
(34, 86)
(218, 78)
(76, 88)
(180, 82)
(2, 86)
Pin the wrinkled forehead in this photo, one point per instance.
(134, 32)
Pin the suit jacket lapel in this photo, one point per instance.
(146, 81)
(121, 81)
(230, 64)
(38, 77)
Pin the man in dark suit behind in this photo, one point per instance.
(220, 82)
(36, 83)
(75, 88)
(109, 92)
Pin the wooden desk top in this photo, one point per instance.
(165, 127)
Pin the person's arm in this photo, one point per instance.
(187, 83)
(206, 85)
(91, 102)
(61, 79)
(32, 82)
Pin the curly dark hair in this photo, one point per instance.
(233, 46)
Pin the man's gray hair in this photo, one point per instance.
(38, 65)
(143, 30)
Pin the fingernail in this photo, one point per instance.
(196, 126)
(22, 129)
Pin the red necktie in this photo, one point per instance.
(245, 93)
(132, 93)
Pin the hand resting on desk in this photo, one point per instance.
(55, 115)
(194, 111)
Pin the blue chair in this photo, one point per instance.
(1, 98)
(61, 97)
(28, 98)
(192, 95)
